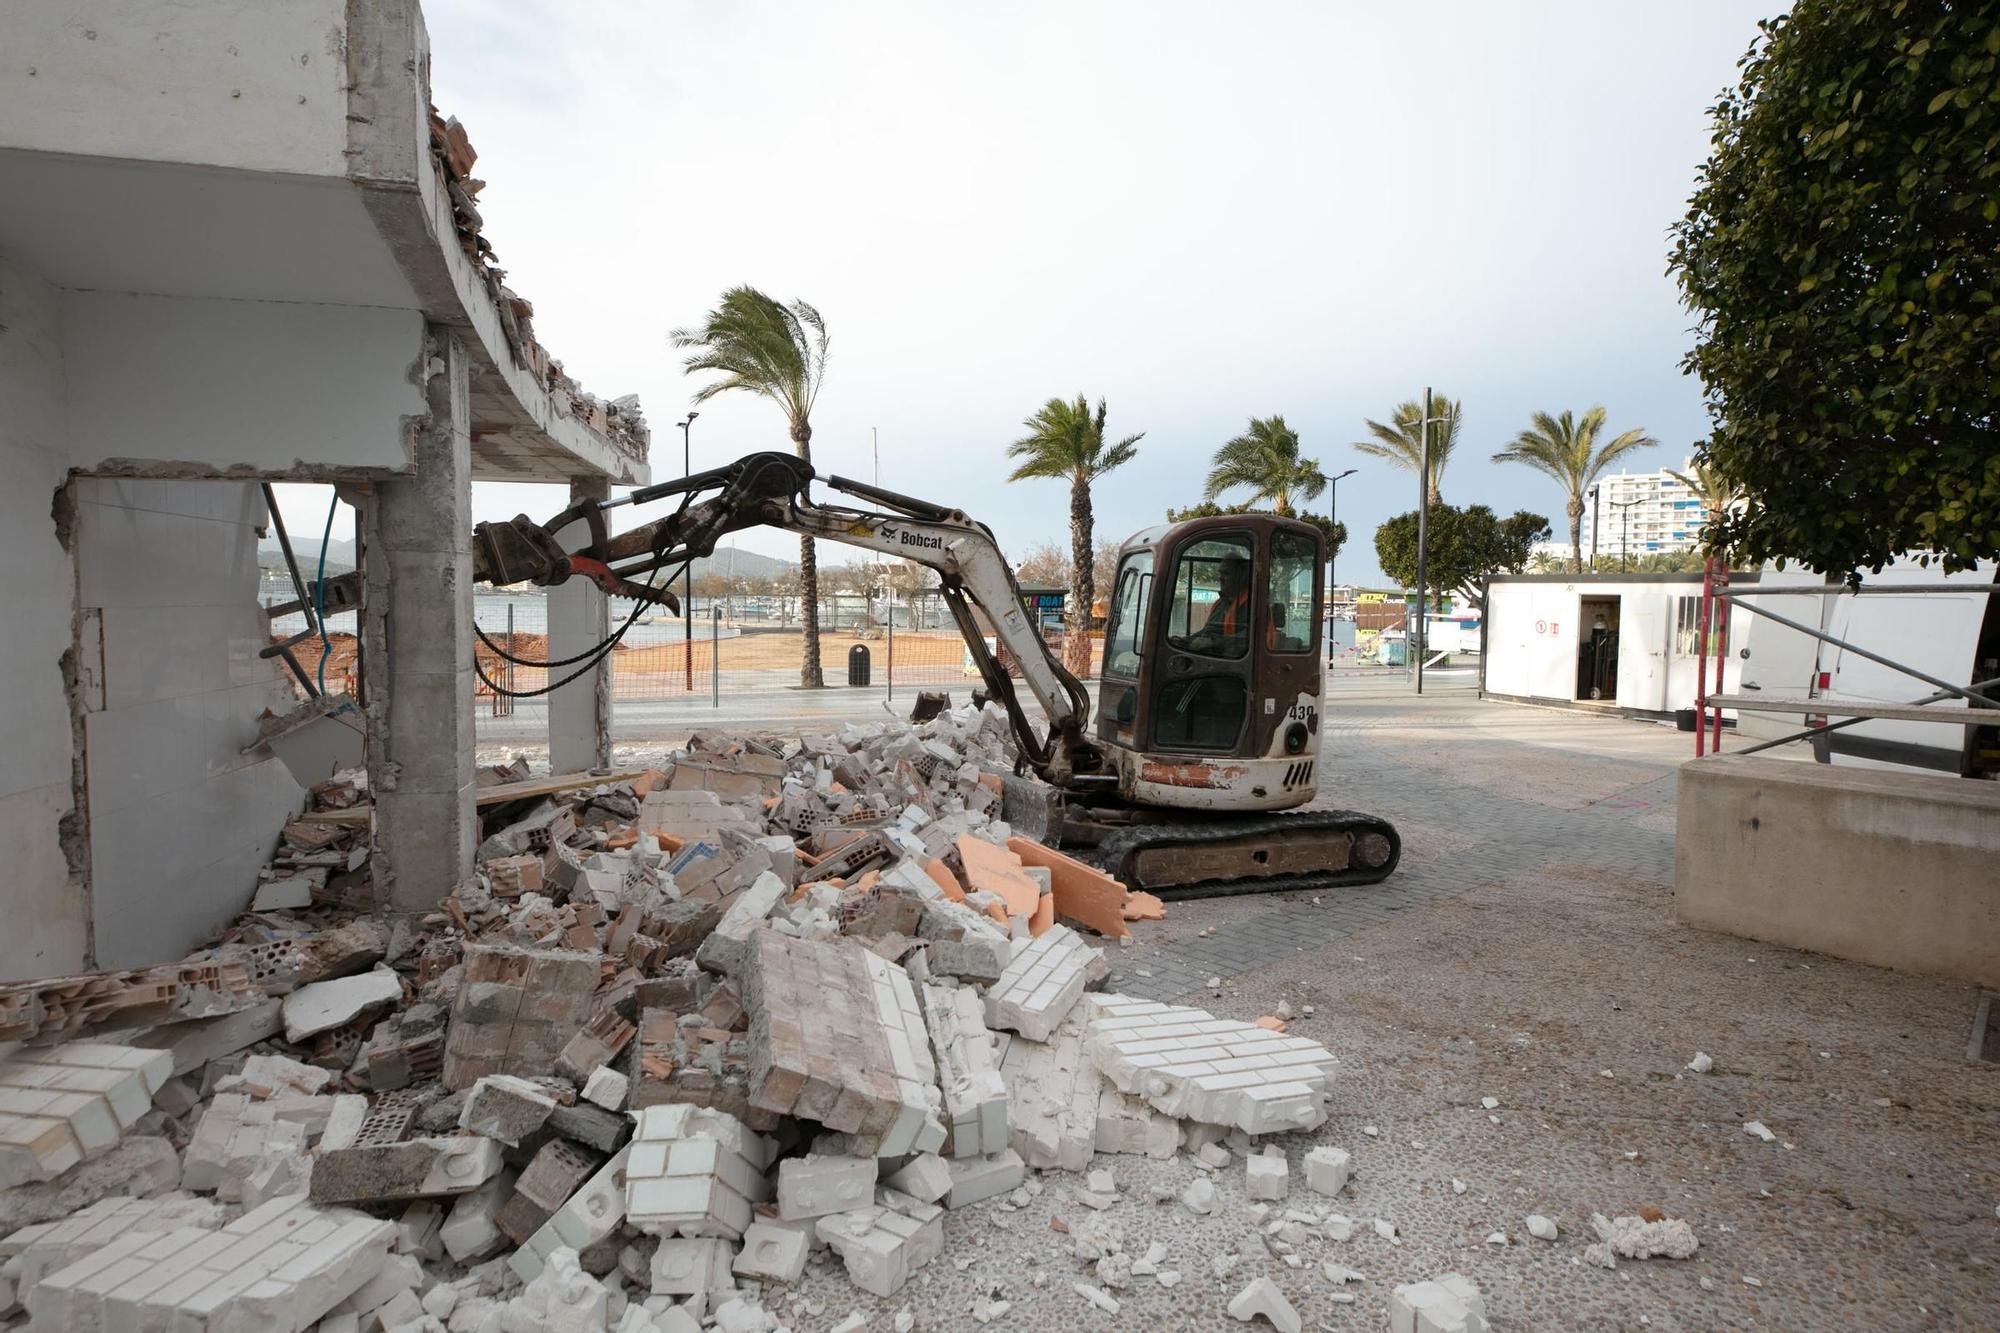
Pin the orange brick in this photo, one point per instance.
(998, 871)
(1045, 915)
(1086, 896)
(1271, 1023)
(651, 780)
(1141, 906)
(946, 881)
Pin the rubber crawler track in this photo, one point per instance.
(1115, 854)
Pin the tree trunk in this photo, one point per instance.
(1575, 511)
(810, 676)
(1082, 578)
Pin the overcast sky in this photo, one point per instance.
(1202, 212)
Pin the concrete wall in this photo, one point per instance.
(41, 895)
(244, 387)
(180, 819)
(1889, 868)
(231, 83)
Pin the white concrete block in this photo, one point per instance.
(1042, 984)
(925, 1177)
(692, 1265)
(772, 1253)
(1262, 1297)
(1328, 1170)
(1192, 1065)
(1266, 1177)
(607, 1088)
(976, 1178)
(1447, 1304)
(814, 1186)
(322, 1005)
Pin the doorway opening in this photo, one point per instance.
(1597, 650)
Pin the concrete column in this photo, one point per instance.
(579, 617)
(416, 634)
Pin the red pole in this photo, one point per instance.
(1701, 658)
(1721, 655)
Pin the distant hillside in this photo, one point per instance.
(339, 554)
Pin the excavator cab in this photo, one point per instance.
(1212, 669)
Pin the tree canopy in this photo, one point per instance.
(1335, 533)
(1842, 255)
(759, 345)
(1265, 460)
(1400, 440)
(1463, 545)
(1566, 450)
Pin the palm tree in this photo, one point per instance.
(1065, 441)
(1566, 449)
(1401, 441)
(1266, 459)
(1717, 493)
(760, 346)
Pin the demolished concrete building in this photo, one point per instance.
(239, 247)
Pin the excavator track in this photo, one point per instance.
(1312, 849)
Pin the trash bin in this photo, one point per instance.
(1684, 718)
(857, 664)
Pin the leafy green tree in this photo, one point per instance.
(1462, 546)
(1065, 442)
(1334, 533)
(1842, 255)
(760, 346)
(1265, 458)
(1400, 440)
(1567, 450)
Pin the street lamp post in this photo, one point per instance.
(1333, 513)
(1625, 532)
(687, 574)
(1593, 527)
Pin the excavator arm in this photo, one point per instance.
(772, 490)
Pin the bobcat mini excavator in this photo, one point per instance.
(1208, 715)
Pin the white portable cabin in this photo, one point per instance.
(1624, 643)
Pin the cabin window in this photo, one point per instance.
(1125, 636)
(1294, 562)
(1210, 612)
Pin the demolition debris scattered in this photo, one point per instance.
(782, 1001)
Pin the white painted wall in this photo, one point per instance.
(180, 818)
(1533, 629)
(42, 902)
(242, 387)
(233, 83)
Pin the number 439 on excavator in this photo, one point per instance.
(1186, 778)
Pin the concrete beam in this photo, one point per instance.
(416, 640)
(579, 617)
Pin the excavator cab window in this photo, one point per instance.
(1124, 640)
(1210, 614)
(1201, 699)
(1294, 561)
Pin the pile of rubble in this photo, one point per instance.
(782, 1002)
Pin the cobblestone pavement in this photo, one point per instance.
(1525, 950)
